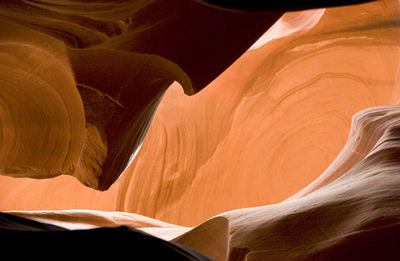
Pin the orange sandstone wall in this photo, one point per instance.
(259, 133)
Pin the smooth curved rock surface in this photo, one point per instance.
(210, 238)
(266, 128)
(120, 58)
(261, 133)
(270, 125)
(354, 217)
(42, 125)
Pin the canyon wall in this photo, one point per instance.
(259, 133)
(292, 153)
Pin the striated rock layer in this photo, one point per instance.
(270, 125)
(112, 63)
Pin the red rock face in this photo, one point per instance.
(309, 99)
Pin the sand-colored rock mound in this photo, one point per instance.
(210, 238)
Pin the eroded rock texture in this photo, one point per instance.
(354, 217)
(121, 57)
(299, 103)
(262, 131)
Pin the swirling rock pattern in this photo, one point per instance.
(278, 124)
(354, 217)
(260, 133)
(266, 128)
(114, 60)
(42, 125)
(271, 123)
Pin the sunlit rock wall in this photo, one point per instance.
(262, 131)
(270, 124)
(295, 119)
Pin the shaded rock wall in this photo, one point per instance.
(116, 59)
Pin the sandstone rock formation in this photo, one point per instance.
(354, 217)
(261, 133)
(121, 57)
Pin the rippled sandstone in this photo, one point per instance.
(120, 58)
(261, 133)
